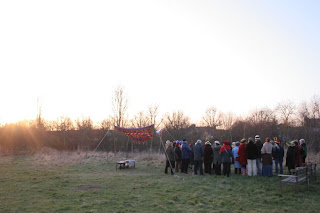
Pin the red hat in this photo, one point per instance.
(177, 144)
(277, 141)
(226, 142)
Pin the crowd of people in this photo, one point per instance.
(250, 156)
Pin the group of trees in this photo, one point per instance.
(286, 121)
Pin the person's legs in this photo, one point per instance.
(281, 166)
(276, 164)
(258, 162)
(249, 167)
(228, 168)
(201, 167)
(172, 164)
(217, 168)
(224, 169)
(243, 170)
(254, 168)
(196, 164)
(167, 165)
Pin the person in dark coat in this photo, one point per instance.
(304, 150)
(266, 153)
(208, 157)
(291, 156)
(191, 163)
(177, 151)
(170, 157)
(217, 158)
(278, 154)
(198, 153)
(298, 154)
(226, 156)
(251, 150)
(259, 147)
(243, 156)
(185, 156)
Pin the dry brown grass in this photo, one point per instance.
(48, 156)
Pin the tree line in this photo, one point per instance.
(287, 121)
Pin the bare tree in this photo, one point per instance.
(315, 107)
(176, 122)
(106, 124)
(228, 120)
(264, 115)
(120, 107)
(286, 110)
(64, 124)
(303, 113)
(39, 119)
(84, 124)
(139, 120)
(211, 118)
(153, 112)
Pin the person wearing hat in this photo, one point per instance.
(291, 157)
(243, 156)
(198, 157)
(251, 150)
(237, 166)
(208, 157)
(278, 154)
(266, 153)
(259, 147)
(226, 156)
(217, 158)
(304, 150)
(298, 153)
(185, 156)
(177, 151)
(170, 157)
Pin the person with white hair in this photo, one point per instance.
(198, 153)
(304, 150)
(170, 157)
(217, 160)
(259, 147)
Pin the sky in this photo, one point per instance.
(181, 55)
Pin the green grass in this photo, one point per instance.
(26, 185)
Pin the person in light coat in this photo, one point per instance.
(237, 166)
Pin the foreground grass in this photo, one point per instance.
(28, 185)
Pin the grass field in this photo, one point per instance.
(68, 182)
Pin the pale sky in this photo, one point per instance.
(181, 55)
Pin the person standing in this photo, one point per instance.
(298, 154)
(291, 157)
(198, 153)
(259, 147)
(266, 153)
(251, 150)
(237, 166)
(177, 151)
(185, 156)
(208, 157)
(243, 156)
(226, 156)
(217, 158)
(278, 154)
(170, 157)
(304, 150)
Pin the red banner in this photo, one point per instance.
(138, 134)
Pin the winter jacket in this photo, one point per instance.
(242, 154)
(208, 154)
(291, 157)
(198, 152)
(216, 155)
(259, 147)
(235, 155)
(252, 151)
(305, 150)
(177, 150)
(298, 156)
(170, 153)
(266, 148)
(185, 152)
(226, 156)
(278, 153)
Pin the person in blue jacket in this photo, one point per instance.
(185, 155)
(278, 153)
(237, 166)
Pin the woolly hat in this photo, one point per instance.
(217, 142)
(257, 137)
(168, 142)
(302, 141)
(243, 140)
(198, 141)
(276, 141)
(237, 143)
(226, 142)
(290, 143)
(250, 139)
(267, 139)
(208, 143)
(177, 144)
